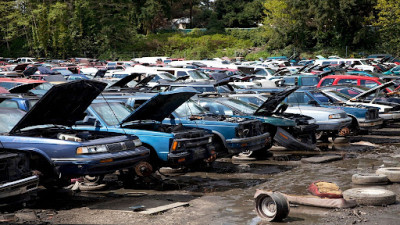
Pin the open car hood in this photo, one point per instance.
(372, 90)
(161, 105)
(272, 102)
(124, 81)
(24, 88)
(63, 104)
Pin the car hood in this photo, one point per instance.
(161, 105)
(63, 104)
(123, 81)
(372, 90)
(272, 103)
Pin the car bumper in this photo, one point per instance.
(334, 124)
(102, 163)
(390, 116)
(237, 145)
(286, 140)
(370, 124)
(19, 187)
(192, 155)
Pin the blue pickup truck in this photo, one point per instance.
(170, 145)
(58, 152)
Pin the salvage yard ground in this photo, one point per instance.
(224, 195)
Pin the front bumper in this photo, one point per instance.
(370, 124)
(19, 187)
(97, 164)
(237, 145)
(192, 155)
(334, 124)
(390, 116)
(287, 140)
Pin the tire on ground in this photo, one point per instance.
(392, 173)
(366, 178)
(272, 207)
(370, 196)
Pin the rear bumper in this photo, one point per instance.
(19, 187)
(102, 163)
(237, 145)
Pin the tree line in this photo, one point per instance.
(110, 29)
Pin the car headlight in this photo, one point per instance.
(312, 121)
(386, 110)
(91, 149)
(334, 116)
(137, 142)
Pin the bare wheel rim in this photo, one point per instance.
(268, 207)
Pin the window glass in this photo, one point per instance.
(252, 100)
(9, 104)
(298, 98)
(327, 82)
(348, 81)
(112, 113)
(190, 108)
(217, 108)
(8, 119)
(309, 81)
(368, 83)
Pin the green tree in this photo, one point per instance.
(388, 23)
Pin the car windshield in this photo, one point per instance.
(111, 113)
(190, 108)
(364, 62)
(120, 75)
(242, 106)
(63, 71)
(324, 99)
(309, 81)
(8, 119)
(196, 75)
(339, 96)
(167, 76)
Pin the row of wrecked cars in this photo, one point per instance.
(83, 129)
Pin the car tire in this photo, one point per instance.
(370, 196)
(272, 207)
(392, 173)
(369, 179)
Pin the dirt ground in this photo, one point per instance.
(224, 195)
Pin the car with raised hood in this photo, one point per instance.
(230, 134)
(170, 145)
(58, 152)
(387, 110)
(293, 131)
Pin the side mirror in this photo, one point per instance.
(312, 102)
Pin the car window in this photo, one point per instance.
(327, 82)
(309, 81)
(112, 113)
(9, 104)
(217, 108)
(368, 83)
(348, 81)
(298, 98)
(8, 119)
(290, 80)
(252, 100)
(181, 73)
(190, 108)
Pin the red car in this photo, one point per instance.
(331, 80)
(9, 83)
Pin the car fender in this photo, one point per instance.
(221, 137)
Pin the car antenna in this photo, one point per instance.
(191, 113)
(108, 104)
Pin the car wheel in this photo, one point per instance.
(370, 196)
(272, 207)
(392, 173)
(369, 179)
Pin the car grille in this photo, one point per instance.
(249, 129)
(121, 146)
(372, 114)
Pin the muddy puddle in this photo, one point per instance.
(224, 194)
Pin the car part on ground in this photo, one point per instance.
(370, 196)
(369, 178)
(392, 173)
(272, 206)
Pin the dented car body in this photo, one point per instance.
(55, 150)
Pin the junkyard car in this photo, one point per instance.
(290, 130)
(387, 110)
(231, 134)
(57, 151)
(170, 145)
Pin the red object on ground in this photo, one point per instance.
(314, 190)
